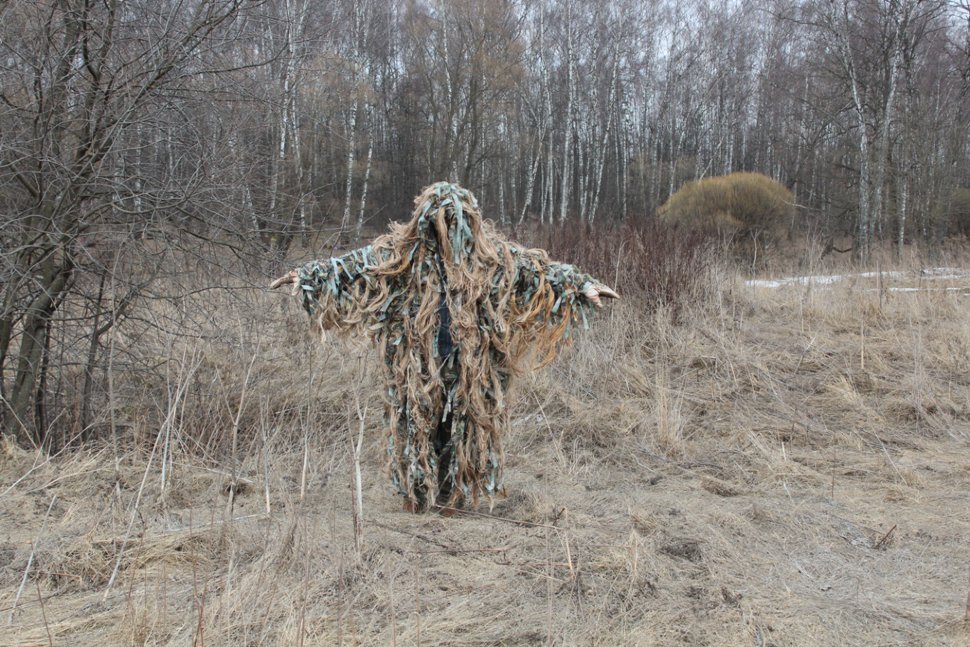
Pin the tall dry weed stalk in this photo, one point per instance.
(357, 503)
(30, 562)
(357, 419)
(669, 419)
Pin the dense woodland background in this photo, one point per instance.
(158, 151)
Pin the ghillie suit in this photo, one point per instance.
(454, 309)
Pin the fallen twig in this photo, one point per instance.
(885, 538)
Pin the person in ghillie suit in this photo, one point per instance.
(454, 309)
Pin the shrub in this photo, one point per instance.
(739, 206)
(652, 261)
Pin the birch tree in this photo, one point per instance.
(569, 120)
(359, 73)
(872, 102)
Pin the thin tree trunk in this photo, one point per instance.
(884, 140)
(545, 207)
(567, 151)
(55, 280)
(370, 157)
(351, 156)
(606, 134)
(88, 386)
(530, 185)
(360, 34)
(864, 219)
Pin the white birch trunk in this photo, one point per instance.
(625, 144)
(545, 208)
(370, 157)
(840, 26)
(351, 157)
(297, 18)
(513, 192)
(606, 134)
(567, 144)
(884, 138)
(903, 204)
(359, 35)
(503, 215)
(530, 185)
(452, 126)
(280, 156)
(294, 26)
(582, 146)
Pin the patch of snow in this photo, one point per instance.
(794, 280)
(945, 272)
(933, 273)
(902, 289)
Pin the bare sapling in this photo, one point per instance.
(234, 480)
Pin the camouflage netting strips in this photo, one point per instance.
(507, 306)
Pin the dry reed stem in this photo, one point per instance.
(43, 611)
(30, 562)
(131, 521)
(357, 504)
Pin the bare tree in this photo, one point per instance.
(78, 80)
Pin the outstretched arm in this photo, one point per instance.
(336, 288)
(554, 294)
(548, 298)
(536, 273)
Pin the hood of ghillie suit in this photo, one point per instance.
(504, 303)
(448, 254)
(449, 247)
(447, 218)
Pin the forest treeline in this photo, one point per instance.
(129, 129)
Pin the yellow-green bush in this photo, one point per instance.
(740, 205)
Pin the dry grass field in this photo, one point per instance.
(781, 466)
